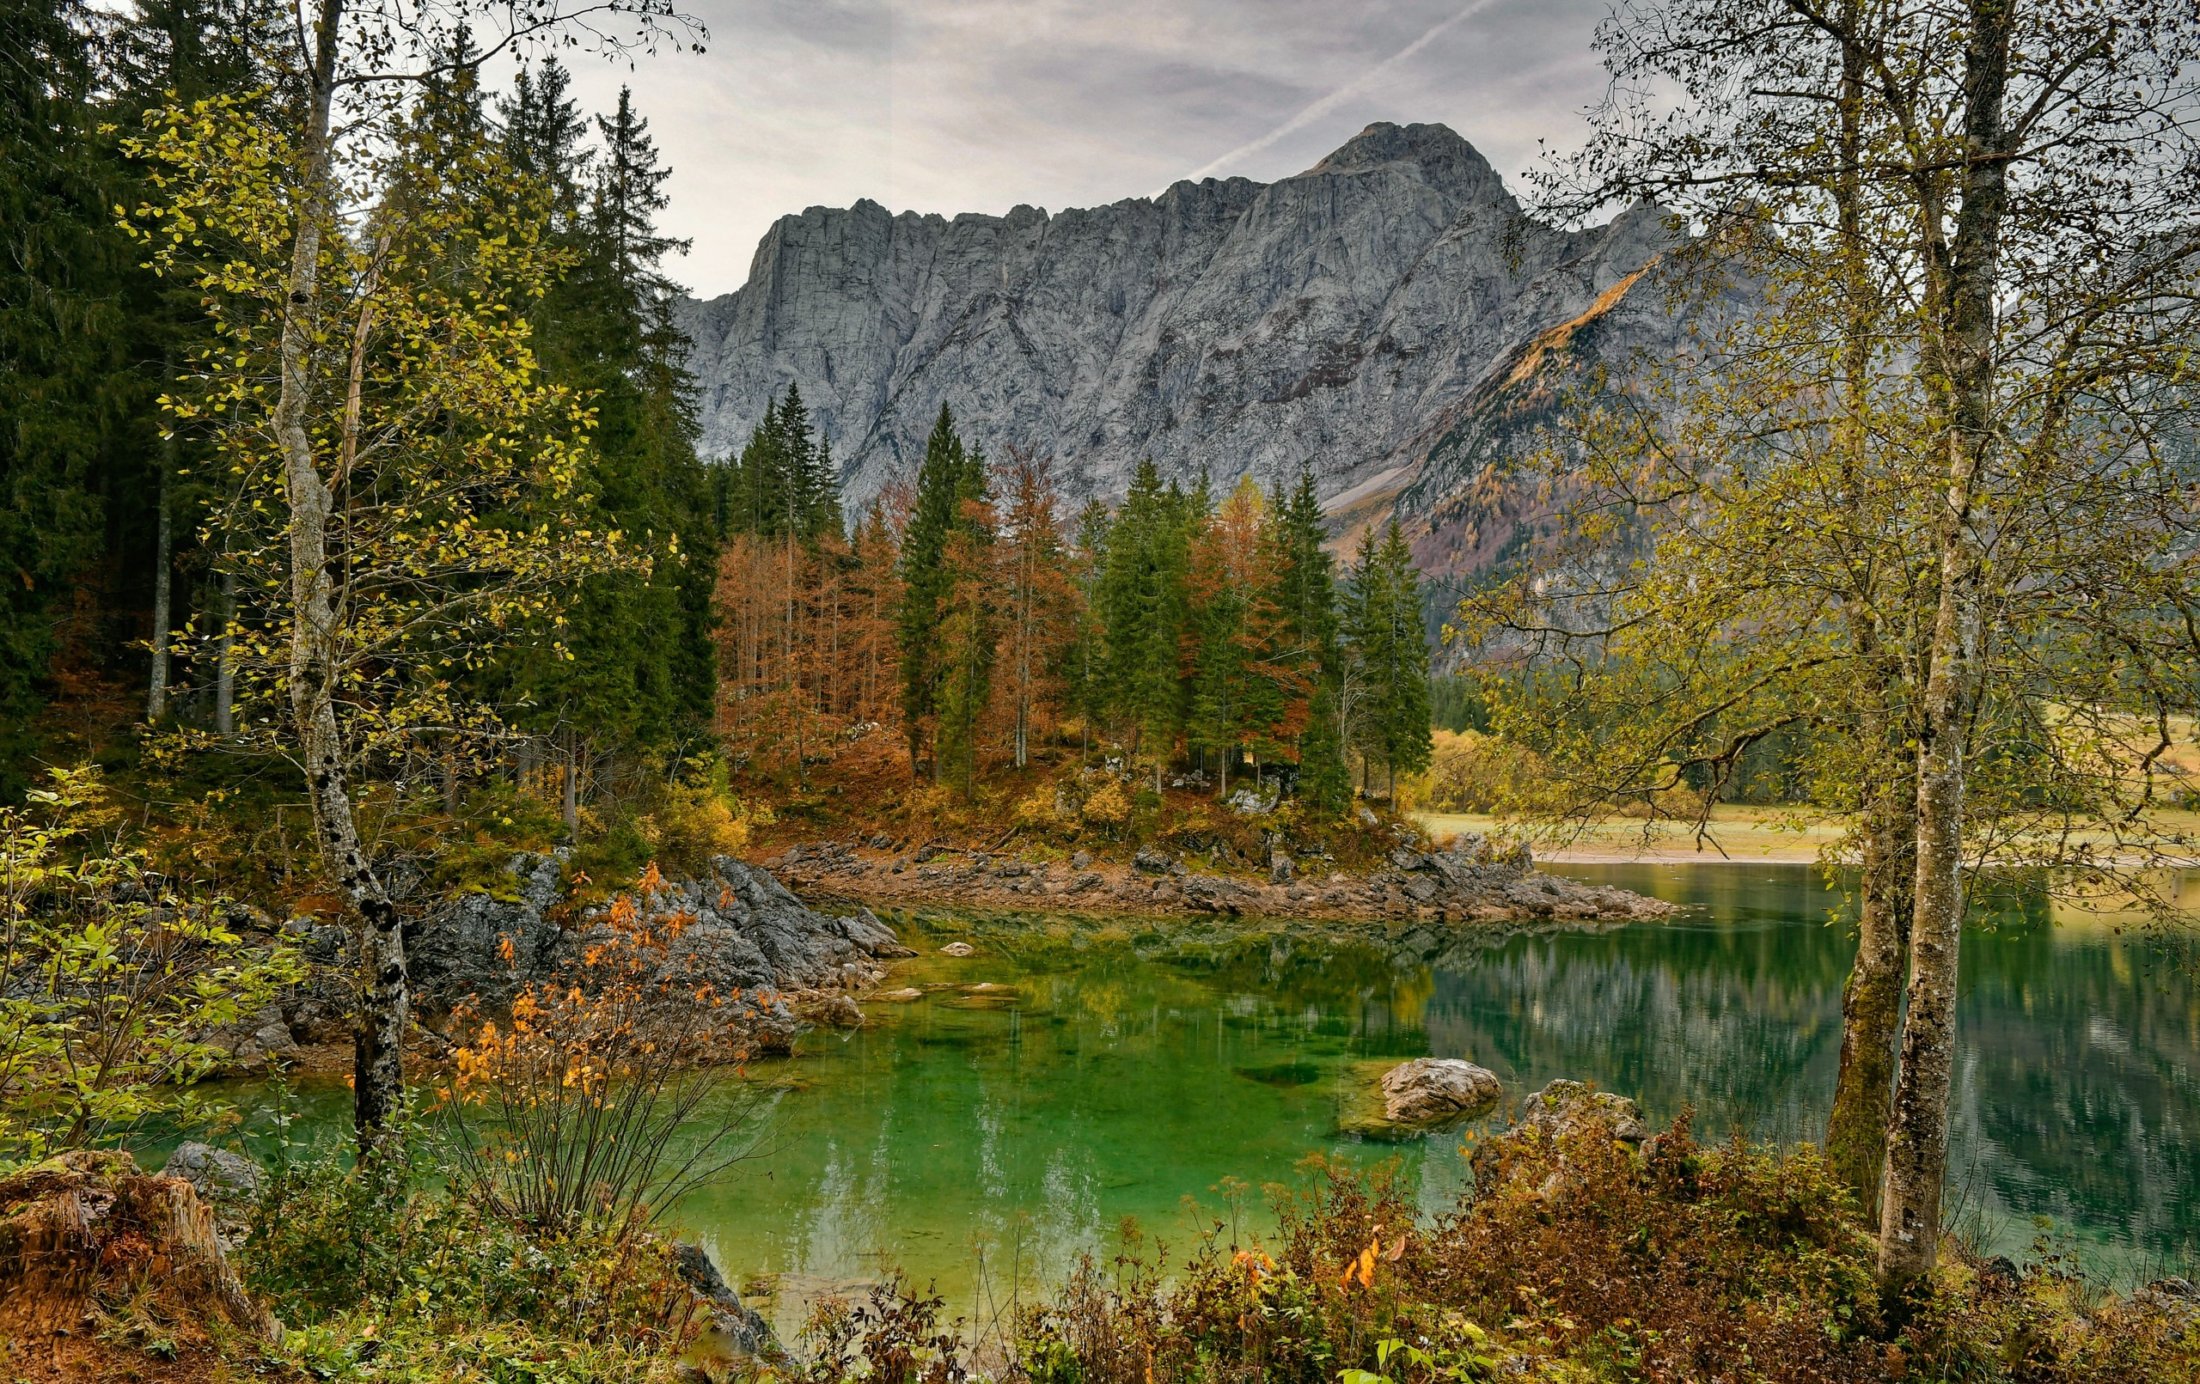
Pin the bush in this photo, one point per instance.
(114, 981)
(569, 1117)
(393, 1272)
(1576, 1258)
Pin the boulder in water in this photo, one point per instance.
(1432, 1091)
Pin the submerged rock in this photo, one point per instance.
(735, 1337)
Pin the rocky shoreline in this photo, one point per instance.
(1464, 884)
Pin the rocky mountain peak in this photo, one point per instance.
(1336, 320)
(1437, 150)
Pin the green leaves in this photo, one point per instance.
(114, 986)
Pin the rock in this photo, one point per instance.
(735, 1338)
(1337, 318)
(87, 1227)
(1253, 802)
(2174, 1299)
(1150, 861)
(841, 1012)
(958, 949)
(905, 995)
(743, 933)
(1280, 867)
(1080, 860)
(258, 1044)
(1568, 1109)
(1431, 1091)
(217, 1175)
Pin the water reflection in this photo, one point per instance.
(1128, 1071)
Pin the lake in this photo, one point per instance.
(1125, 1068)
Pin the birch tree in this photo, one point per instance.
(375, 397)
(1933, 502)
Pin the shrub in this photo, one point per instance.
(572, 1115)
(393, 1272)
(1576, 1258)
(114, 981)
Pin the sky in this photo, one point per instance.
(978, 105)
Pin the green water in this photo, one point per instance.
(1126, 1070)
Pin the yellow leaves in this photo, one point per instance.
(1362, 1268)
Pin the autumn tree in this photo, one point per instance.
(1038, 601)
(375, 392)
(1929, 499)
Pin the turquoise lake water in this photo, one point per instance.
(1124, 1069)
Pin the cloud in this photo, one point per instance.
(1315, 111)
(978, 105)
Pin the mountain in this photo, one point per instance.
(1390, 317)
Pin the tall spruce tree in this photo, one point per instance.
(1389, 656)
(640, 679)
(73, 407)
(1305, 595)
(949, 476)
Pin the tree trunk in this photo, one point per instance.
(378, 1078)
(1958, 358)
(569, 804)
(164, 561)
(1871, 1002)
(225, 660)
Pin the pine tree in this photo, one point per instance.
(1404, 677)
(1143, 608)
(1306, 599)
(949, 476)
(65, 377)
(641, 679)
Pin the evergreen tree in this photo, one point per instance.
(1143, 609)
(1306, 601)
(1388, 658)
(949, 477)
(66, 386)
(641, 674)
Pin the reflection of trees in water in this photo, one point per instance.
(2078, 1085)
(1743, 1023)
(2078, 1091)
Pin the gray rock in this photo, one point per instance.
(1336, 319)
(743, 933)
(221, 1178)
(1080, 860)
(1438, 1090)
(1149, 861)
(1280, 867)
(1565, 1109)
(735, 1335)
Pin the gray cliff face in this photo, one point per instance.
(1340, 319)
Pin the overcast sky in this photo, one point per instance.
(977, 105)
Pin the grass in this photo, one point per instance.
(1744, 835)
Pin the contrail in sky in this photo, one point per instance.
(1338, 97)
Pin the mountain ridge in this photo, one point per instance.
(1350, 319)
